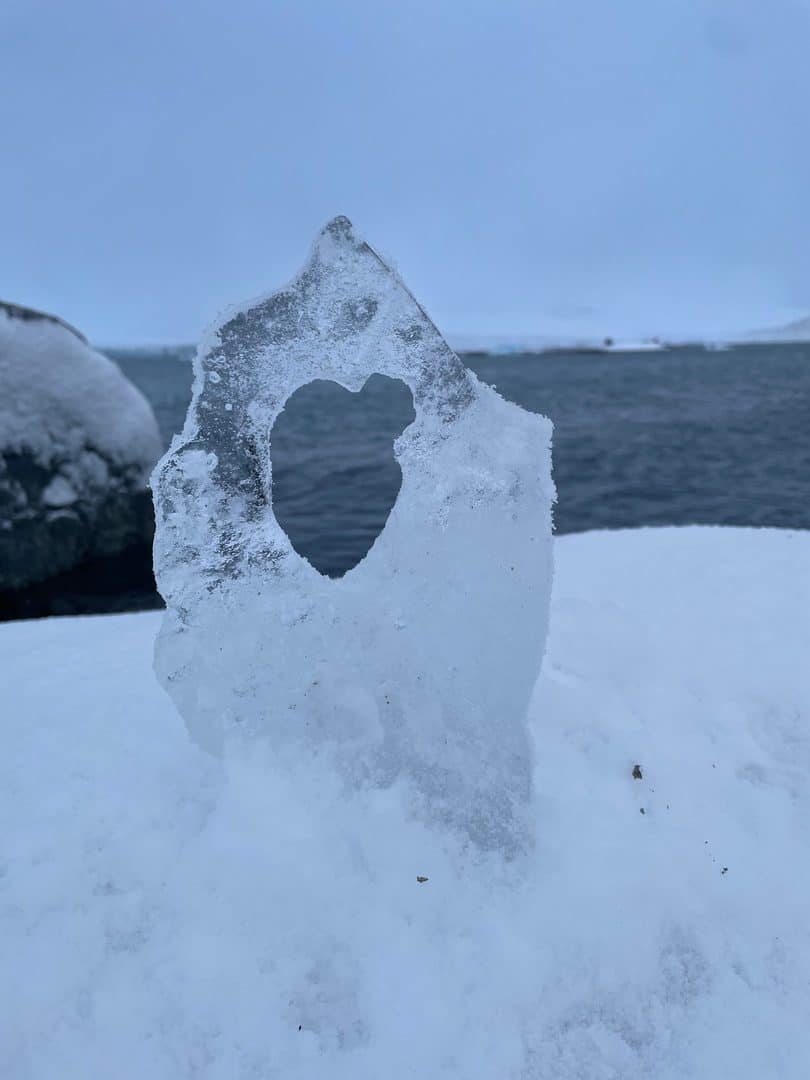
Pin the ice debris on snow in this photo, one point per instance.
(420, 662)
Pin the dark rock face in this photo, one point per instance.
(77, 442)
(40, 538)
(98, 586)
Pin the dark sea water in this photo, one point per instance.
(682, 436)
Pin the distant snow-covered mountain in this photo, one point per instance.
(587, 339)
(536, 343)
(798, 330)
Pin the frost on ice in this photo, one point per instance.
(417, 666)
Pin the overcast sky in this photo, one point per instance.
(628, 166)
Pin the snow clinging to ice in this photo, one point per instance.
(417, 666)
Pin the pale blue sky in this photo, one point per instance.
(634, 166)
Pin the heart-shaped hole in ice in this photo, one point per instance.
(335, 477)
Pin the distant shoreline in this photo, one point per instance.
(186, 351)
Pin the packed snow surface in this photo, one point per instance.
(420, 662)
(168, 914)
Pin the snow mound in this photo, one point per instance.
(59, 396)
(167, 914)
(420, 662)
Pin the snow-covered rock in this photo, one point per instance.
(77, 442)
(166, 915)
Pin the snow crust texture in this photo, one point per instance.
(420, 662)
(77, 443)
(169, 915)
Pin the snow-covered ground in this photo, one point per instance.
(166, 916)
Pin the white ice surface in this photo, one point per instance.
(58, 397)
(166, 915)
